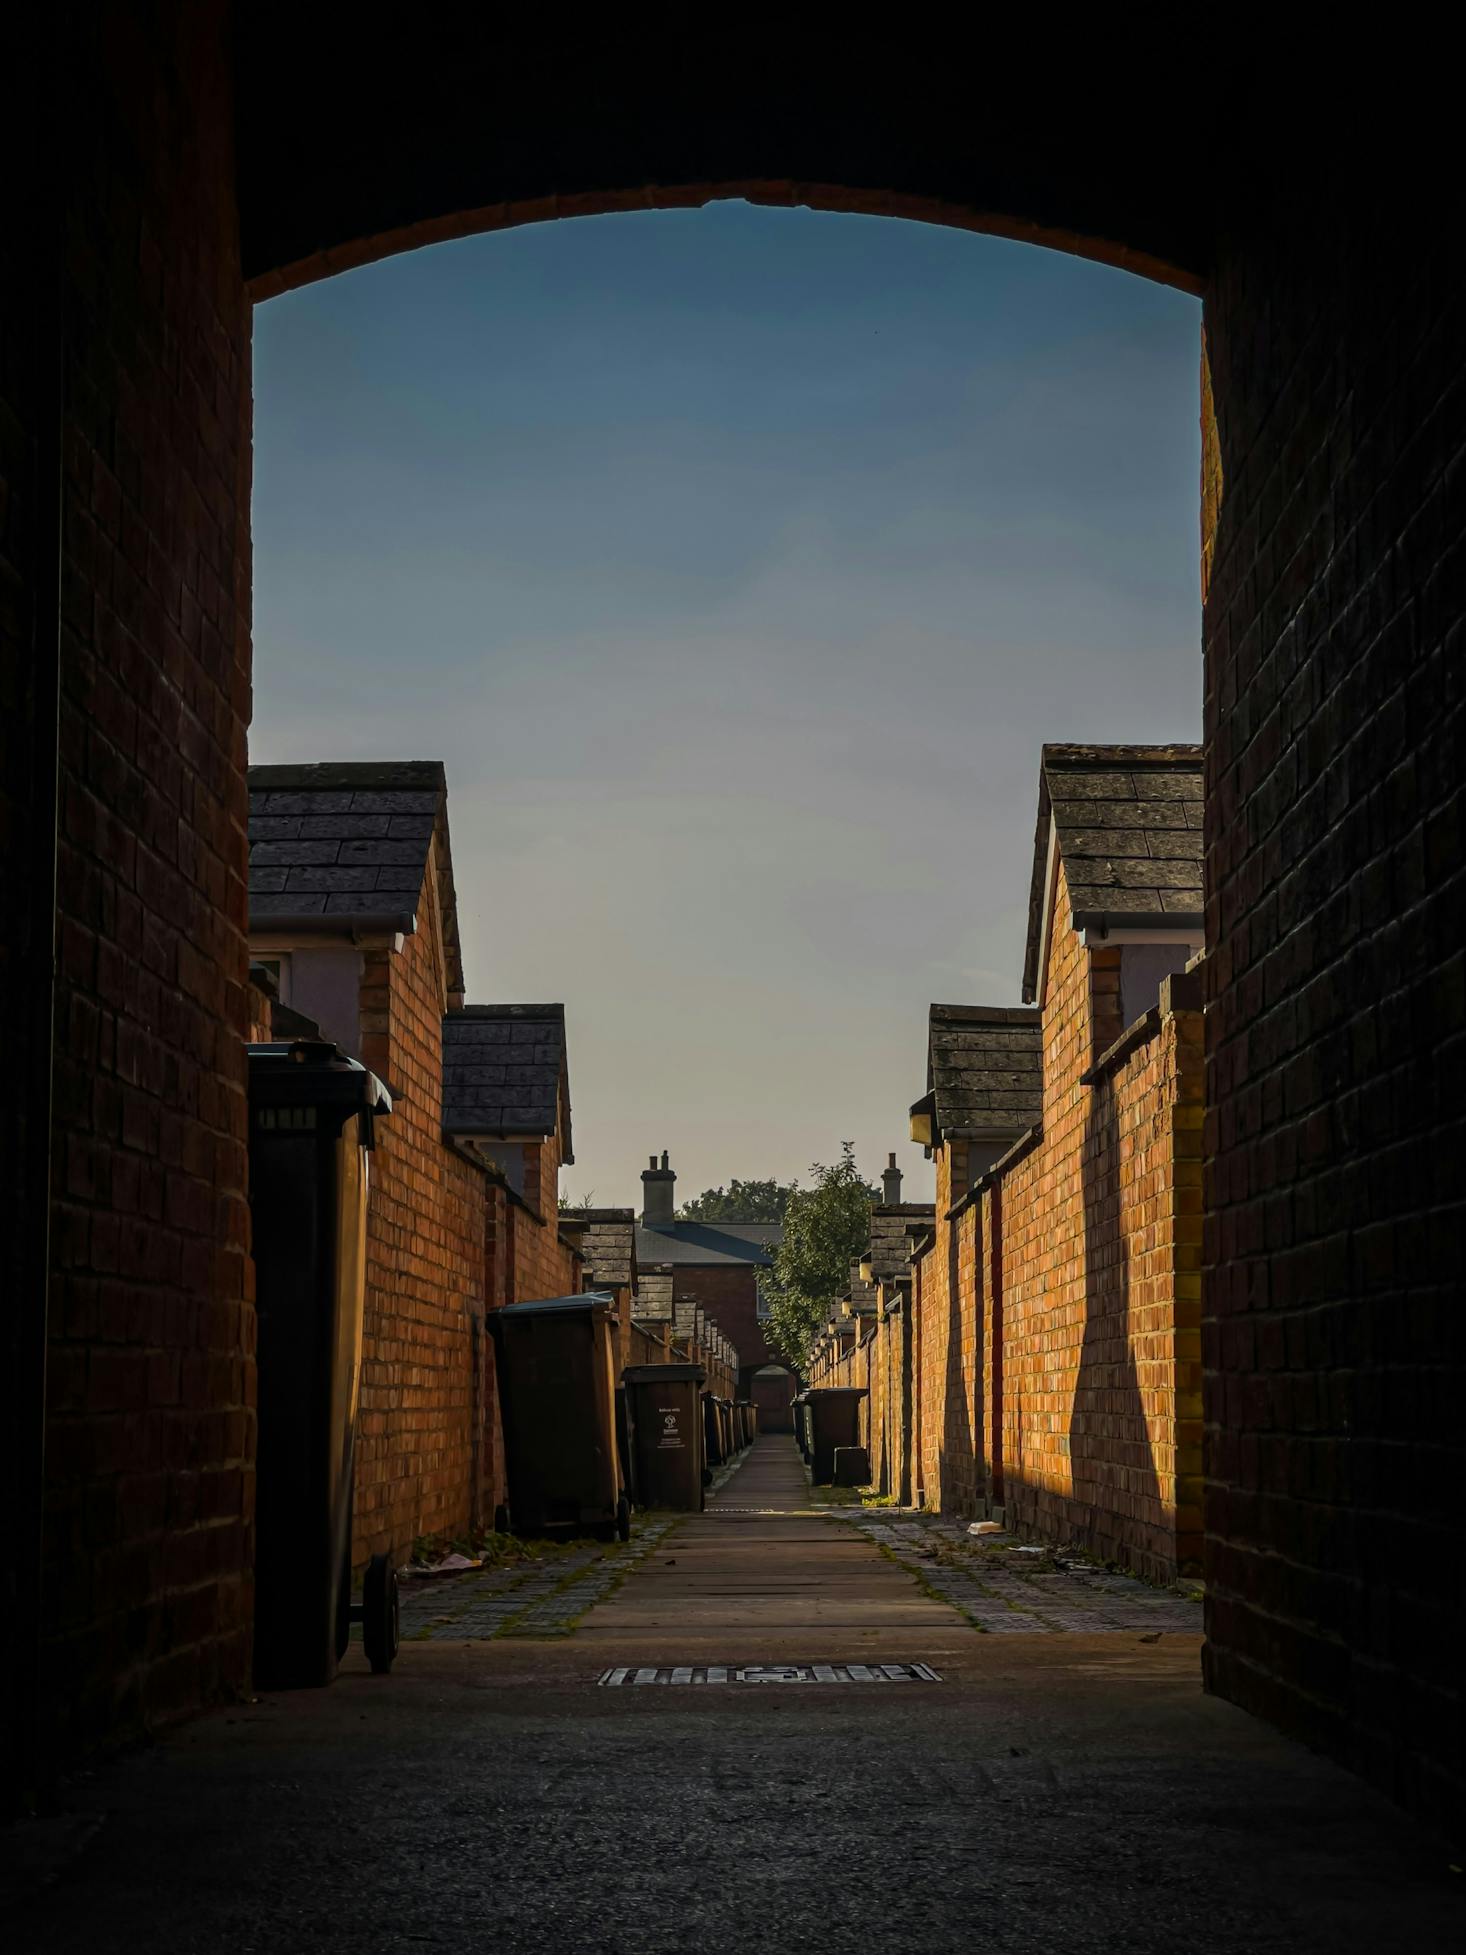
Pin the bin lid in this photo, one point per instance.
(313, 1072)
(662, 1374)
(836, 1391)
(588, 1300)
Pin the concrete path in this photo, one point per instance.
(1052, 1794)
(765, 1569)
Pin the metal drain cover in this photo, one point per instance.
(774, 1673)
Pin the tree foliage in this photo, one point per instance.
(740, 1201)
(826, 1229)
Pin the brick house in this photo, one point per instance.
(717, 1265)
(506, 1097)
(353, 916)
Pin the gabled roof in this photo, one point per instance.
(342, 843)
(606, 1238)
(892, 1231)
(1126, 822)
(984, 1070)
(505, 1072)
(707, 1245)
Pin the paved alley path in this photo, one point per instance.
(1055, 1793)
(764, 1567)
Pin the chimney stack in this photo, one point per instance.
(658, 1199)
(891, 1183)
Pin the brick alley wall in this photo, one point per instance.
(1056, 1315)
(946, 1334)
(1335, 1343)
(1045, 1252)
(150, 1442)
(421, 1462)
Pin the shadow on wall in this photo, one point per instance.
(1115, 1502)
(958, 1454)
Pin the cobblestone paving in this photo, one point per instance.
(530, 1598)
(1004, 1589)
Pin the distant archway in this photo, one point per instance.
(771, 1388)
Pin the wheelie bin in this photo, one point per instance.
(557, 1393)
(311, 1114)
(666, 1433)
(833, 1413)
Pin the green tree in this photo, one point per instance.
(740, 1201)
(826, 1229)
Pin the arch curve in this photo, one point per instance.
(351, 149)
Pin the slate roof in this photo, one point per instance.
(892, 1231)
(348, 842)
(707, 1245)
(504, 1072)
(606, 1238)
(984, 1069)
(1127, 821)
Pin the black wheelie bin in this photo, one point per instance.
(311, 1114)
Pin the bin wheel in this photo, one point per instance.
(343, 1612)
(623, 1519)
(343, 1593)
(379, 1614)
(501, 1519)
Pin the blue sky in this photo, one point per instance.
(736, 562)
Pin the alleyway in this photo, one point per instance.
(1047, 1791)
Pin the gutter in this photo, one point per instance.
(351, 924)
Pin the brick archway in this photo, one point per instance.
(212, 154)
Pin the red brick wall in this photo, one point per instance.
(151, 1384)
(421, 1465)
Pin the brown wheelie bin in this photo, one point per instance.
(557, 1393)
(834, 1420)
(665, 1416)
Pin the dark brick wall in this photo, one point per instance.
(1334, 658)
(146, 1593)
(31, 257)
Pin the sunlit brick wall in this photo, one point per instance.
(421, 1466)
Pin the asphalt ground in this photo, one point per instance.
(1053, 1792)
